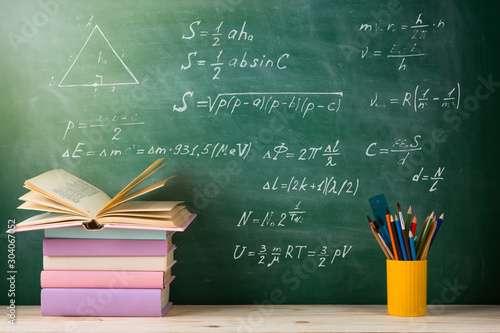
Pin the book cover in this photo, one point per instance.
(112, 231)
(107, 279)
(105, 247)
(92, 302)
(109, 263)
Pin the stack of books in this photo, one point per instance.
(103, 256)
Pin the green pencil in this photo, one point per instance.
(423, 234)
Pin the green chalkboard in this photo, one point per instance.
(280, 119)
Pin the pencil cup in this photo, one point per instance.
(407, 288)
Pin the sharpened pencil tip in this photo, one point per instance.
(399, 206)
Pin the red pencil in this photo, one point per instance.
(414, 224)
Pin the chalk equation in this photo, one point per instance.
(265, 102)
(273, 219)
(305, 154)
(421, 98)
(115, 123)
(326, 186)
(400, 146)
(218, 34)
(414, 33)
(213, 150)
(270, 255)
(82, 149)
(438, 175)
(208, 150)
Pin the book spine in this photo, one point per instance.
(106, 233)
(139, 263)
(105, 279)
(105, 247)
(102, 302)
(114, 231)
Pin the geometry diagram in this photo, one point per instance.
(97, 64)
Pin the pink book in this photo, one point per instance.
(109, 263)
(105, 247)
(106, 279)
(105, 302)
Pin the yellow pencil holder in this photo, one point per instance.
(407, 288)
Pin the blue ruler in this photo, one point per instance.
(378, 204)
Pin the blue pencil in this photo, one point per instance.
(400, 236)
(385, 232)
(412, 246)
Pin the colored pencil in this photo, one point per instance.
(384, 230)
(412, 246)
(396, 243)
(397, 234)
(382, 244)
(425, 249)
(401, 238)
(372, 223)
(423, 233)
(440, 220)
(392, 232)
(408, 220)
(414, 224)
(404, 232)
(401, 219)
(425, 236)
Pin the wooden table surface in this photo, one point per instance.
(271, 318)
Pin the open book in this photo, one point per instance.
(68, 201)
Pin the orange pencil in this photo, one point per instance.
(391, 232)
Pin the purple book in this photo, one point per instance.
(105, 247)
(105, 302)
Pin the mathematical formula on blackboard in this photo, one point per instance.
(222, 52)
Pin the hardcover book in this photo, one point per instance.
(110, 263)
(106, 279)
(94, 302)
(105, 247)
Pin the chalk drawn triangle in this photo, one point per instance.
(97, 65)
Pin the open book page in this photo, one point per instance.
(156, 221)
(143, 176)
(69, 190)
(144, 206)
(145, 213)
(48, 218)
(35, 201)
(113, 203)
(43, 208)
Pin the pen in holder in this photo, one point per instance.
(407, 288)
